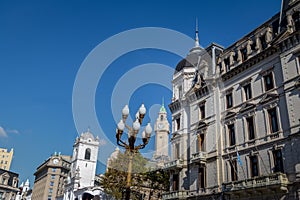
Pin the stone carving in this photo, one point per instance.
(290, 23)
(248, 47)
(231, 58)
(269, 36)
(239, 56)
(258, 46)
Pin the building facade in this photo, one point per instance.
(50, 177)
(8, 185)
(236, 117)
(83, 166)
(5, 158)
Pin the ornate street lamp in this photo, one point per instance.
(131, 149)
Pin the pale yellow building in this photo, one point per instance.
(5, 158)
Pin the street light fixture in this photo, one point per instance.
(131, 149)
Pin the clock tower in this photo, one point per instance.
(162, 130)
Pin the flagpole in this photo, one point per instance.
(280, 17)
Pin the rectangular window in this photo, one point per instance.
(233, 170)
(229, 101)
(250, 127)
(201, 177)
(273, 120)
(254, 166)
(180, 92)
(177, 151)
(50, 190)
(247, 91)
(200, 142)
(53, 169)
(269, 82)
(177, 124)
(52, 176)
(202, 111)
(278, 161)
(231, 134)
(51, 183)
(175, 182)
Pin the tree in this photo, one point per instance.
(143, 180)
(114, 180)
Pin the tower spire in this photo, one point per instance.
(197, 38)
(163, 109)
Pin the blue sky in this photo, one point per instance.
(43, 44)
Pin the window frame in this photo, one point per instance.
(269, 74)
(271, 120)
(227, 100)
(233, 170)
(251, 132)
(275, 159)
(253, 165)
(231, 134)
(247, 91)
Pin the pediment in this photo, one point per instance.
(230, 115)
(246, 106)
(268, 97)
(201, 125)
(5, 174)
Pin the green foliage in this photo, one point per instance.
(142, 179)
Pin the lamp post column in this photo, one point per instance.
(127, 197)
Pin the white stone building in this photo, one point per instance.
(83, 166)
(236, 116)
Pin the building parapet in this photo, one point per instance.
(176, 195)
(174, 164)
(199, 157)
(277, 179)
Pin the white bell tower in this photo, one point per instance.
(84, 159)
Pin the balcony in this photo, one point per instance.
(173, 165)
(176, 195)
(277, 180)
(199, 157)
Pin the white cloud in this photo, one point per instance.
(2, 132)
(12, 131)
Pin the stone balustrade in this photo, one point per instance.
(199, 157)
(176, 195)
(175, 164)
(256, 182)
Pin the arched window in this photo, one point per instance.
(87, 154)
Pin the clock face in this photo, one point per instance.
(55, 161)
(160, 125)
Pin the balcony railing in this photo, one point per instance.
(262, 181)
(176, 195)
(199, 157)
(175, 164)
